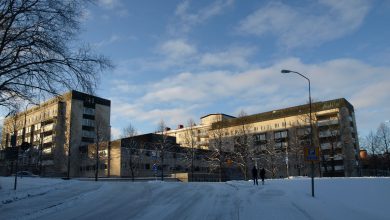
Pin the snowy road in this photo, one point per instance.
(158, 200)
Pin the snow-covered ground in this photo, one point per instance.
(337, 198)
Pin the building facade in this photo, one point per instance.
(55, 129)
(276, 139)
(197, 135)
(142, 157)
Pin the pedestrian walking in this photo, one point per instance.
(262, 175)
(254, 174)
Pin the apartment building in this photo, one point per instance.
(277, 138)
(55, 129)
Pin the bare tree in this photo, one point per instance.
(190, 140)
(383, 133)
(162, 145)
(129, 131)
(218, 141)
(131, 145)
(372, 144)
(101, 142)
(38, 55)
(298, 140)
(243, 145)
(272, 157)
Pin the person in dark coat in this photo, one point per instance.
(262, 175)
(254, 174)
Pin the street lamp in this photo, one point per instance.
(311, 126)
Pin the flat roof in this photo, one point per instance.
(217, 114)
(286, 112)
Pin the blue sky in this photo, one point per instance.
(177, 60)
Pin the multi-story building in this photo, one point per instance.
(277, 138)
(56, 128)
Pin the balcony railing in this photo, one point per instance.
(48, 139)
(328, 122)
(326, 146)
(328, 133)
(48, 127)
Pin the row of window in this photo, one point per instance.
(42, 115)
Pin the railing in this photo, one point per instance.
(48, 127)
(328, 122)
(48, 139)
(325, 146)
(328, 133)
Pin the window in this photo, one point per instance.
(89, 134)
(88, 111)
(280, 134)
(37, 127)
(88, 122)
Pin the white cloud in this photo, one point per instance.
(178, 48)
(113, 5)
(308, 26)
(364, 97)
(180, 96)
(128, 113)
(109, 4)
(113, 39)
(123, 86)
(236, 57)
(205, 87)
(186, 20)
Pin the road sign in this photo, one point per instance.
(312, 153)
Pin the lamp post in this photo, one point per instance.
(311, 126)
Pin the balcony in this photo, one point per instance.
(328, 133)
(327, 122)
(326, 146)
(48, 127)
(48, 139)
